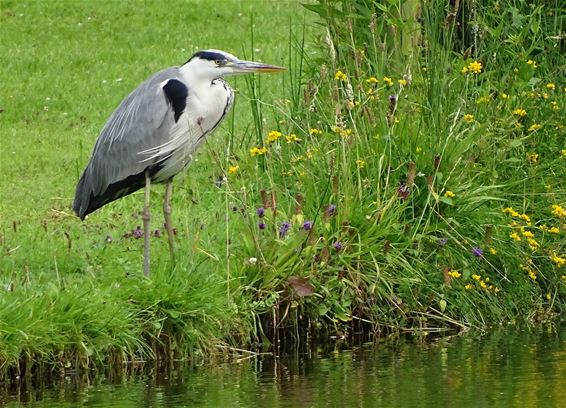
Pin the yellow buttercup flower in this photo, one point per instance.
(534, 126)
(273, 136)
(372, 80)
(340, 76)
(532, 157)
(520, 112)
(388, 81)
(468, 118)
(233, 169)
(515, 236)
(314, 131)
(449, 194)
(558, 211)
(558, 260)
(532, 63)
(476, 277)
(550, 86)
(258, 151)
(361, 163)
(475, 67)
(492, 251)
(554, 230)
(455, 274)
(292, 138)
(402, 82)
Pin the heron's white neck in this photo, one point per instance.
(197, 72)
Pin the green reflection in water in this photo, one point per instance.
(504, 369)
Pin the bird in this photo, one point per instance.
(155, 131)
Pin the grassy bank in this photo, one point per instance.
(405, 174)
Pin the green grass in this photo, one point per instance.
(374, 178)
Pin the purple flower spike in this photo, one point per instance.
(392, 102)
(442, 241)
(477, 251)
(138, 233)
(284, 228)
(338, 245)
(331, 210)
(307, 225)
(260, 212)
(261, 225)
(403, 191)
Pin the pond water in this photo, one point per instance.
(502, 369)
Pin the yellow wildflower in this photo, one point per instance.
(361, 163)
(372, 80)
(483, 284)
(533, 244)
(558, 211)
(464, 70)
(492, 251)
(475, 67)
(550, 86)
(273, 136)
(468, 286)
(454, 274)
(388, 80)
(528, 234)
(554, 230)
(554, 105)
(558, 260)
(548, 296)
(314, 131)
(476, 277)
(468, 118)
(532, 274)
(233, 169)
(483, 99)
(520, 112)
(449, 194)
(258, 151)
(292, 138)
(418, 149)
(515, 236)
(340, 76)
(534, 126)
(402, 82)
(532, 157)
(532, 63)
(563, 152)
(504, 96)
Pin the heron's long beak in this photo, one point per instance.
(251, 66)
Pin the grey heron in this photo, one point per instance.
(153, 133)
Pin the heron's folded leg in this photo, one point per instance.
(167, 215)
(146, 226)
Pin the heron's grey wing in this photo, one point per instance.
(141, 122)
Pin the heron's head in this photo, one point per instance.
(212, 64)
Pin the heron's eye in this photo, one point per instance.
(218, 62)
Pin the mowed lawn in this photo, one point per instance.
(65, 66)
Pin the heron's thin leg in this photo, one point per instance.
(146, 226)
(167, 215)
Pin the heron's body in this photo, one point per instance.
(128, 147)
(153, 133)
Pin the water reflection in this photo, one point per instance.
(504, 369)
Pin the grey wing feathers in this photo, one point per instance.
(141, 122)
